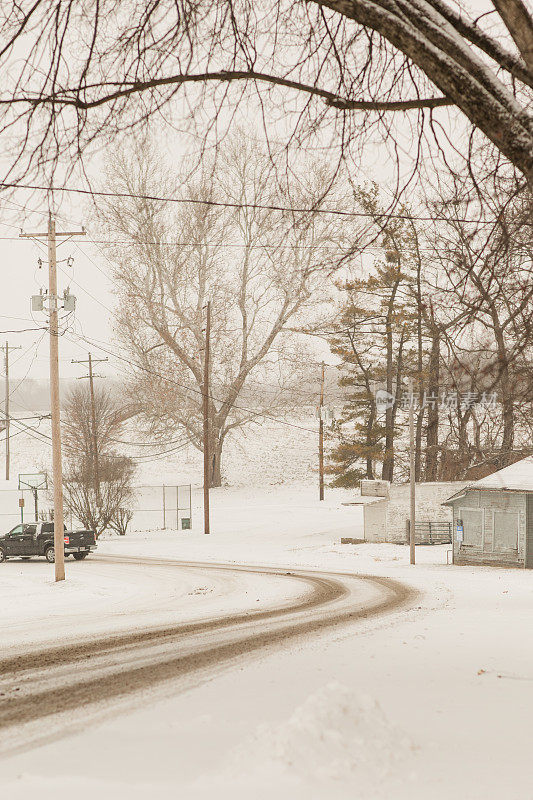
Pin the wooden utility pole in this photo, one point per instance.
(57, 466)
(321, 438)
(207, 466)
(7, 411)
(7, 425)
(412, 475)
(55, 408)
(94, 434)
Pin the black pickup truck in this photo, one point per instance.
(37, 539)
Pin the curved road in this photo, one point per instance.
(53, 688)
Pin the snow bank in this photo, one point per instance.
(338, 739)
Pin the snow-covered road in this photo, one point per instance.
(433, 699)
(53, 690)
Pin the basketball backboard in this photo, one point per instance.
(33, 480)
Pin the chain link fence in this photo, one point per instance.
(153, 507)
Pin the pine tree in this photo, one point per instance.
(376, 340)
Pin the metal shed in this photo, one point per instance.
(493, 518)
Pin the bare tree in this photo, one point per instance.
(79, 436)
(97, 479)
(260, 269)
(111, 507)
(488, 263)
(92, 69)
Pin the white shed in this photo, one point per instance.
(493, 518)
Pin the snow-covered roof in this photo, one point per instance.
(456, 496)
(365, 500)
(517, 477)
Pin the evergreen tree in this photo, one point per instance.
(376, 340)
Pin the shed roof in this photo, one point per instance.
(515, 477)
(518, 476)
(454, 497)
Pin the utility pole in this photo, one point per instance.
(7, 426)
(321, 438)
(55, 408)
(412, 484)
(96, 467)
(207, 470)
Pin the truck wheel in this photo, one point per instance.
(50, 555)
(80, 556)
(2, 554)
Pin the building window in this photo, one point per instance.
(473, 527)
(506, 524)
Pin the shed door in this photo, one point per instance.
(473, 526)
(505, 531)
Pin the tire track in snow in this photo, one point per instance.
(39, 687)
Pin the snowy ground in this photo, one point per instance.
(99, 597)
(431, 701)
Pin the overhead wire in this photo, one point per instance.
(254, 412)
(36, 345)
(229, 204)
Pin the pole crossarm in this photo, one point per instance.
(42, 235)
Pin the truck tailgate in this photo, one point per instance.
(80, 539)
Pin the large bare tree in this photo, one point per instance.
(74, 72)
(260, 269)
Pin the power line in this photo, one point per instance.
(32, 432)
(254, 412)
(367, 248)
(24, 330)
(228, 204)
(36, 345)
(152, 456)
(145, 444)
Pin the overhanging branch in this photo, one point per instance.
(70, 97)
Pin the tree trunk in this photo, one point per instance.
(432, 436)
(463, 445)
(388, 456)
(369, 436)
(507, 395)
(216, 464)
(454, 67)
(508, 431)
(420, 367)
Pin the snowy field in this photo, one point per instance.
(429, 701)
(270, 453)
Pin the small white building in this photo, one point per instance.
(386, 508)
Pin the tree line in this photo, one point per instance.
(447, 302)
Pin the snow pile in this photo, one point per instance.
(338, 741)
